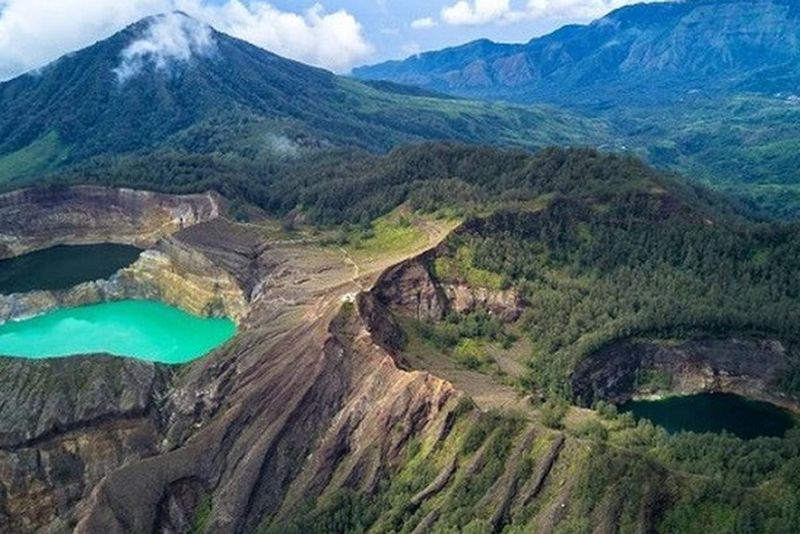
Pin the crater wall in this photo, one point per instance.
(37, 218)
(749, 367)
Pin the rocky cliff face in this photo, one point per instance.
(32, 219)
(64, 424)
(302, 401)
(410, 289)
(187, 281)
(279, 417)
(175, 270)
(506, 304)
(749, 367)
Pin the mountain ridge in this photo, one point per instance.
(649, 52)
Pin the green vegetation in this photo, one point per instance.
(274, 110)
(202, 514)
(461, 267)
(746, 145)
(471, 353)
(653, 380)
(356, 188)
(553, 412)
(466, 337)
(640, 265)
(39, 157)
(394, 232)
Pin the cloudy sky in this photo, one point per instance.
(335, 34)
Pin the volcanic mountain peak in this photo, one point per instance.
(164, 40)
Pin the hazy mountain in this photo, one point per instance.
(644, 53)
(172, 81)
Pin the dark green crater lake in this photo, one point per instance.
(62, 267)
(714, 412)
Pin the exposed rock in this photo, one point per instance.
(66, 423)
(506, 304)
(39, 398)
(410, 289)
(32, 219)
(174, 272)
(748, 367)
(179, 277)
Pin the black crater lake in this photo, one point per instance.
(714, 412)
(62, 267)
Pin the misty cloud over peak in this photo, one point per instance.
(166, 40)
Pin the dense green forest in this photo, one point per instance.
(337, 186)
(596, 273)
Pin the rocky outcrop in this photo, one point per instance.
(748, 367)
(309, 414)
(41, 398)
(410, 289)
(174, 272)
(64, 424)
(302, 401)
(32, 219)
(506, 304)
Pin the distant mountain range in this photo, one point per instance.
(643, 54)
(710, 88)
(172, 82)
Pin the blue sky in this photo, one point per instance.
(387, 23)
(334, 34)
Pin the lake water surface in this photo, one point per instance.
(62, 267)
(145, 330)
(714, 412)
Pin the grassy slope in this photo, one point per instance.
(41, 156)
(746, 145)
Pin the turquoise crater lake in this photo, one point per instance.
(145, 330)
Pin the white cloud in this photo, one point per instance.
(575, 9)
(478, 12)
(424, 23)
(170, 38)
(333, 40)
(473, 12)
(35, 32)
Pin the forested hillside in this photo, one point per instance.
(229, 99)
